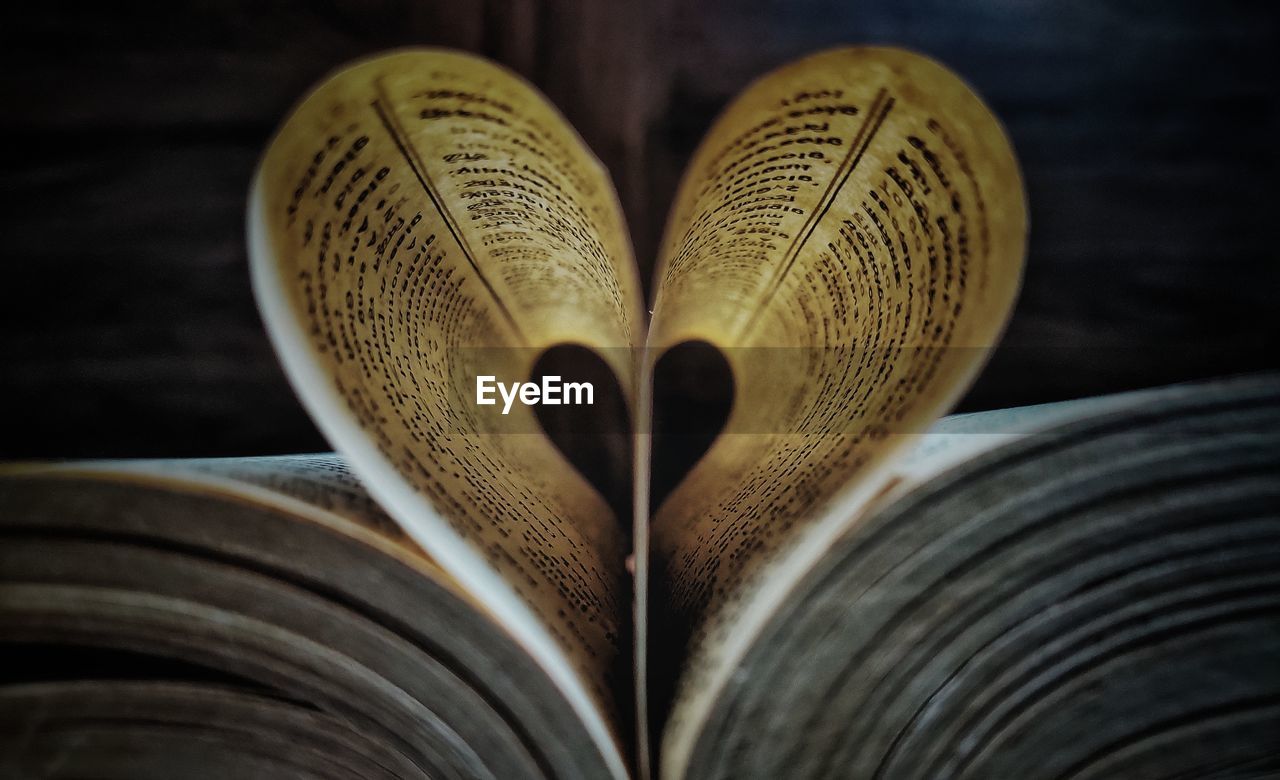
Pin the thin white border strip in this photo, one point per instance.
(410, 509)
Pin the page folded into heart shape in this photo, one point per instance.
(437, 254)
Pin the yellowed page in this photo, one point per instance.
(423, 218)
(851, 234)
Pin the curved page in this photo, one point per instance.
(422, 219)
(850, 234)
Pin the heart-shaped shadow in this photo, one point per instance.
(692, 398)
(595, 439)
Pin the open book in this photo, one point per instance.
(826, 590)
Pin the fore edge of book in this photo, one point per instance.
(407, 507)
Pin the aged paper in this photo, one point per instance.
(423, 218)
(851, 235)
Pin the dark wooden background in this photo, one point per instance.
(1147, 133)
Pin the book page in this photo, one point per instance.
(318, 481)
(311, 485)
(422, 219)
(851, 235)
(958, 438)
(961, 437)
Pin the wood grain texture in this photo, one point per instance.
(130, 131)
